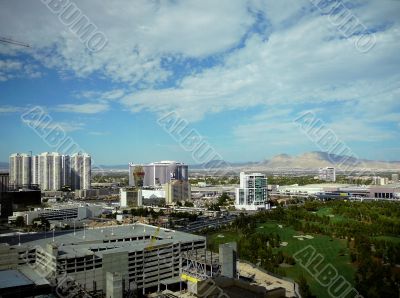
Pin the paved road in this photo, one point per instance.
(199, 225)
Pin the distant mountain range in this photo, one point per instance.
(322, 159)
(308, 160)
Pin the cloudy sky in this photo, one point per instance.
(239, 72)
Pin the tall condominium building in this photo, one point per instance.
(50, 170)
(4, 181)
(65, 170)
(81, 172)
(327, 174)
(20, 170)
(35, 175)
(158, 173)
(252, 193)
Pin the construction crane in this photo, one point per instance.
(14, 42)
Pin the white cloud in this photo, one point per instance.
(106, 95)
(54, 125)
(12, 68)
(11, 109)
(306, 63)
(301, 59)
(140, 34)
(87, 108)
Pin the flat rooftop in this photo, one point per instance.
(13, 278)
(112, 239)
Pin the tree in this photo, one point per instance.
(188, 204)
(223, 199)
(19, 221)
(304, 288)
(41, 222)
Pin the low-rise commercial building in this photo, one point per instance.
(58, 212)
(130, 197)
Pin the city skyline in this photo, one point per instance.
(50, 171)
(240, 81)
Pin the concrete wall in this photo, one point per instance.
(116, 262)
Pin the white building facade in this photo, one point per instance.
(252, 193)
(327, 174)
(81, 172)
(62, 212)
(20, 170)
(158, 173)
(50, 170)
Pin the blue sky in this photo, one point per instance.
(239, 72)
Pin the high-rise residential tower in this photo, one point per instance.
(35, 170)
(65, 170)
(81, 172)
(50, 170)
(20, 170)
(252, 193)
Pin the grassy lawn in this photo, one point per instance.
(216, 241)
(329, 248)
(388, 238)
(327, 211)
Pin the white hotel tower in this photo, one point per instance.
(252, 193)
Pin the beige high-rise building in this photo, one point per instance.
(177, 190)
